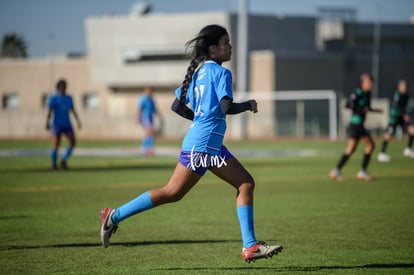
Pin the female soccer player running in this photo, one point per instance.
(61, 105)
(146, 110)
(398, 117)
(360, 103)
(207, 88)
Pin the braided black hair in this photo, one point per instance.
(209, 35)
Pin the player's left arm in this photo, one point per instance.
(369, 107)
(227, 106)
(224, 92)
(49, 113)
(406, 116)
(376, 110)
(49, 116)
(75, 114)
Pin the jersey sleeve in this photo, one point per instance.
(71, 103)
(224, 85)
(399, 103)
(178, 94)
(51, 103)
(154, 107)
(351, 101)
(140, 102)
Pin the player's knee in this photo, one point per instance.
(370, 148)
(247, 185)
(173, 195)
(387, 137)
(349, 151)
(176, 197)
(410, 130)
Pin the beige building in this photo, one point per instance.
(125, 54)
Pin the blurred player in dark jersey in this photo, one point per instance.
(398, 117)
(360, 104)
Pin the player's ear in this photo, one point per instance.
(212, 49)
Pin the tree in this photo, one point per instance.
(14, 46)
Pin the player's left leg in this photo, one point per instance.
(72, 141)
(236, 175)
(369, 148)
(180, 183)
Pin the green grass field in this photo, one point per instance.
(49, 221)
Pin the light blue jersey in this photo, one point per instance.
(147, 106)
(61, 105)
(209, 84)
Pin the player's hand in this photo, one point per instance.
(406, 118)
(253, 106)
(380, 110)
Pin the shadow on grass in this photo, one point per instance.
(125, 244)
(294, 268)
(111, 168)
(15, 217)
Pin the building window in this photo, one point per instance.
(91, 100)
(132, 56)
(10, 101)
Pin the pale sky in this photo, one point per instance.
(36, 19)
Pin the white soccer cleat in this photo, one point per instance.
(363, 175)
(336, 175)
(259, 251)
(107, 226)
(409, 153)
(382, 157)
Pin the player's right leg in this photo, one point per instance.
(179, 184)
(147, 144)
(56, 136)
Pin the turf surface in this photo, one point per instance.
(49, 221)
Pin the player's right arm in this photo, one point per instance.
(401, 103)
(49, 112)
(352, 103)
(139, 110)
(182, 110)
(49, 116)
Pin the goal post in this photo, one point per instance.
(300, 97)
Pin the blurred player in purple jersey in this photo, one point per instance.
(60, 106)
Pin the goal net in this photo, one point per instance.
(291, 114)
